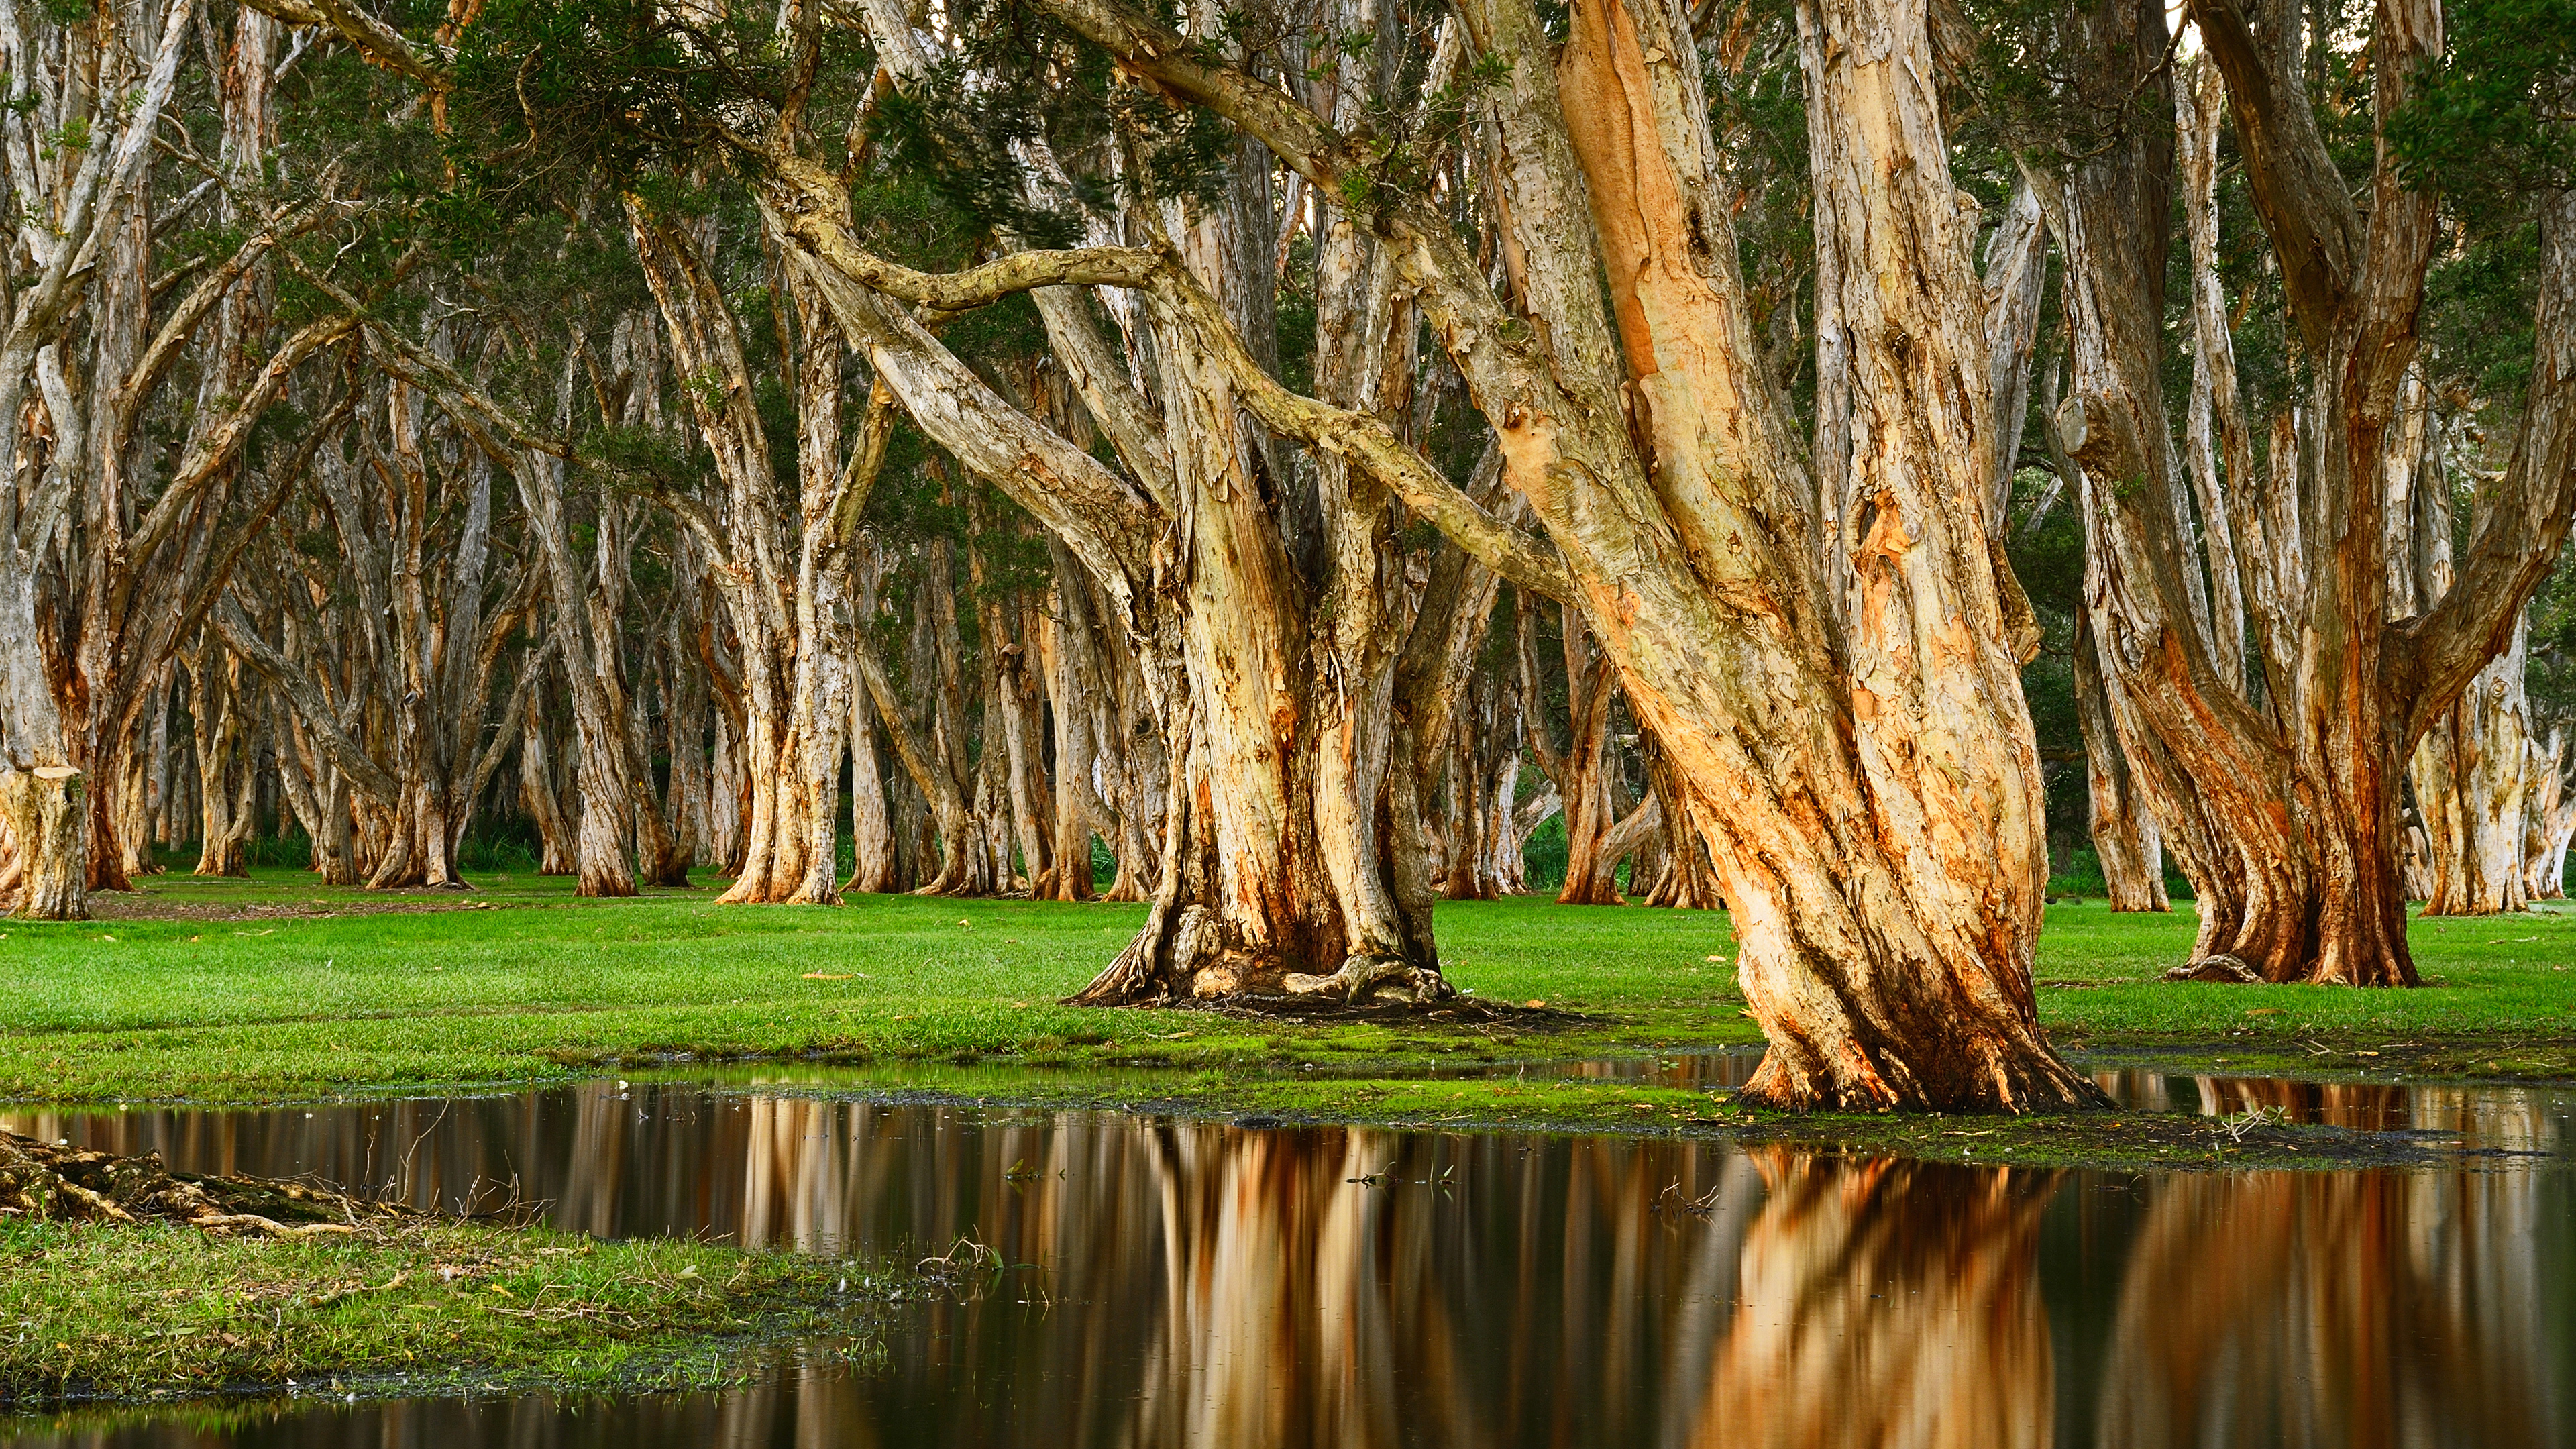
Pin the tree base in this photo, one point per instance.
(47, 813)
(1184, 955)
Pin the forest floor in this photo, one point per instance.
(276, 989)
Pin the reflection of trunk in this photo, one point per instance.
(2125, 837)
(2318, 1309)
(1887, 1303)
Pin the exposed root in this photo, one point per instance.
(66, 1184)
(1453, 1011)
(2223, 969)
(1390, 979)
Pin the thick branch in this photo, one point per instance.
(2297, 190)
(380, 44)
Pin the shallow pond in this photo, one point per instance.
(1208, 1284)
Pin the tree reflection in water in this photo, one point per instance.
(1204, 1286)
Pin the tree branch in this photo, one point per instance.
(365, 775)
(2297, 190)
(2521, 526)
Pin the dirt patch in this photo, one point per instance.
(145, 906)
(61, 1183)
(1468, 1011)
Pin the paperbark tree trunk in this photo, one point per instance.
(599, 849)
(2550, 817)
(2125, 837)
(874, 865)
(1584, 773)
(2473, 785)
(1079, 709)
(46, 816)
(540, 796)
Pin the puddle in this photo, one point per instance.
(1198, 1285)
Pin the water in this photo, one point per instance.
(1205, 1284)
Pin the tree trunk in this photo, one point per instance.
(1294, 861)
(539, 794)
(1854, 729)
(873, 860)
(223, 767)
(2125, 838)
(46, 817)
(2292, 849)
(1077, 696)
(2552, 816)
(2473, 786)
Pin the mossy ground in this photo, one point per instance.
(96, 1311)
(276, 989)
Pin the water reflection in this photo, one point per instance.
(1197, 1284)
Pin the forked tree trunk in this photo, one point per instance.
(221, 724)
(1293, 860)
(599, 829)
(2296, 875)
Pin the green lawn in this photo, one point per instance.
(243, 1001)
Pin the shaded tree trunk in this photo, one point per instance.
(2125, 837)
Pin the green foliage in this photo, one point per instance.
(552, 96)
(2493, 119)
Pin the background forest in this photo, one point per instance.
(1029, 446)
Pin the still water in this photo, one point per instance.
(1192, 1285)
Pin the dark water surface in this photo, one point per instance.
(1213, 1286)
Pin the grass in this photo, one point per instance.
(276, 988)
(155, 1311)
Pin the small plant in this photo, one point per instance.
(2246, 1121)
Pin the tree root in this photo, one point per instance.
(2222, 968)
(1391, 979)
(60, 1183)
